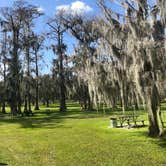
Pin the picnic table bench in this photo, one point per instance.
(129, 119)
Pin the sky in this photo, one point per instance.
(49, 7)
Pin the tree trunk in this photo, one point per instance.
(19, 103)
(4, 72)
(25, 105)
(62, 98)
(90, 104)
(14, 72)
(4, 95)
(29, 102)
(135, 102)
(153, 107)
(28, 79)
(37, 84)
(61, 75)
(122, 99)
(113, 101)
(47, 103)
(3, 107)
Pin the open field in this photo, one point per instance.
(76, 138)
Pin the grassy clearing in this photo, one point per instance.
(76, 138)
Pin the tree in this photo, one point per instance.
(139, 39)
(19, 16)
(4, 53)
(37, 45)
(58, 31)
(14, 18)
(28, 41)
(82, 30)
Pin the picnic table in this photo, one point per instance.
(128, 119)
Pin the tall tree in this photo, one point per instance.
(140, 40)
(4, 53)
(14, 18)
(18, 16)
(58, 30)
(37, 46)
(82, 30)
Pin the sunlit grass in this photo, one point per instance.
(76, 138)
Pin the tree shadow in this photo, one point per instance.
(159, 141)
(36, 121)
(163, 108)
(47, 119)
(51, 118)
(3, 164)
(162, 143)
(68, 104)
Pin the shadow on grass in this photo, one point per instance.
(3, 164)
(163, 108)
(51, 118)
(36, 121)
(160, 141)
(69, 104)
(48, 119)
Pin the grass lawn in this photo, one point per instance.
(76, 138)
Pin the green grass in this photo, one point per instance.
(76, 138)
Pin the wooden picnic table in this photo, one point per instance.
(128, 119)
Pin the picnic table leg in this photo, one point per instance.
(135, 122)
(143, 124)
(128, 122)
(121, 124)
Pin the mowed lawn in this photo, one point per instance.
(76, 138)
